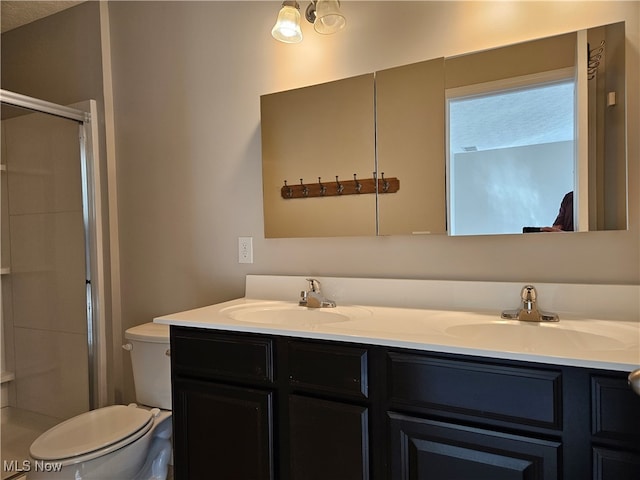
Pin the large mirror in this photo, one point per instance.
(492, 142)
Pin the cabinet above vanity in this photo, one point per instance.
(518, 156)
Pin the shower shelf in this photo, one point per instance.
(5, 271)
(6, 376)
(3, 167)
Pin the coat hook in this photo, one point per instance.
(385, 184)
(288, 189)
(358, 184)
(323, 189)
(339, 186)
(305, 189)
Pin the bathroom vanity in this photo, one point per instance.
(393, 393)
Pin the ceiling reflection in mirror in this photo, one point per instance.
(523, 124)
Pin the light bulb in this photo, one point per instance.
(329, 18)
(287, 27)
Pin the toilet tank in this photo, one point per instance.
(149, 347)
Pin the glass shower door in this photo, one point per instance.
(44, 281)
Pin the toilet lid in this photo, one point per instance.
(91, 431)
(149, 332)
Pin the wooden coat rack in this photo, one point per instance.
(340, 187)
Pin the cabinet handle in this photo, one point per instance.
(634, 381)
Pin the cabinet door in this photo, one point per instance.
(312, 134)
(410, 146)
(615, 410)
(615, 465)
(616, 422)
(222, 432)
(429, 450)
(329, 440)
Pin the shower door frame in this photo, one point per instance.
(86, 116)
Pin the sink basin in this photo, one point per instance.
(291, 314)
(533, 337)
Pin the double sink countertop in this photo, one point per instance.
(602, 330)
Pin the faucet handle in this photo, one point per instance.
(303, 298)
(529, 293)
(314, 285)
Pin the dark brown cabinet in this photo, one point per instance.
(256, 407)
(223, 396)
(500, 398)
(458, 417)
(328, 411)
(253, 407)
(223, 429)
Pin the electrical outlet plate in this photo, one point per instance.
(245, 249)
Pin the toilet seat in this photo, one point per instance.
(93, 434)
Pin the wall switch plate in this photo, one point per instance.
(245, 249)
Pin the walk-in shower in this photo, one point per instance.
(53, 349)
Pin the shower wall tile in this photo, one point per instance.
(51, 372)
(42, 154)
(43, 241)
(48, 271)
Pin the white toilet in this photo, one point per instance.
(119, 442)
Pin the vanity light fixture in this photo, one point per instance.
(287, 27)
(324, 14)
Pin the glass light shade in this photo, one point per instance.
(329, 18)
(287, 27)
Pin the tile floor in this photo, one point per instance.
(19, 429)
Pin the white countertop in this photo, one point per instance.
(577, 340)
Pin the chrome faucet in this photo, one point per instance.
(529, 311)
(313, 298)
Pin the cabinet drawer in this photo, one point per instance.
(200, 353)
(615, 410)
(487, 391)
(328, 368)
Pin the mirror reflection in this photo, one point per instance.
(504, 141)
(511, 158)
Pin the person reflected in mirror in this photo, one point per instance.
(564, 220)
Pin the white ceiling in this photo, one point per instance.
(531, 116)
(14, 14)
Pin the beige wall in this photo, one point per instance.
(187, 83)
(187, 80)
